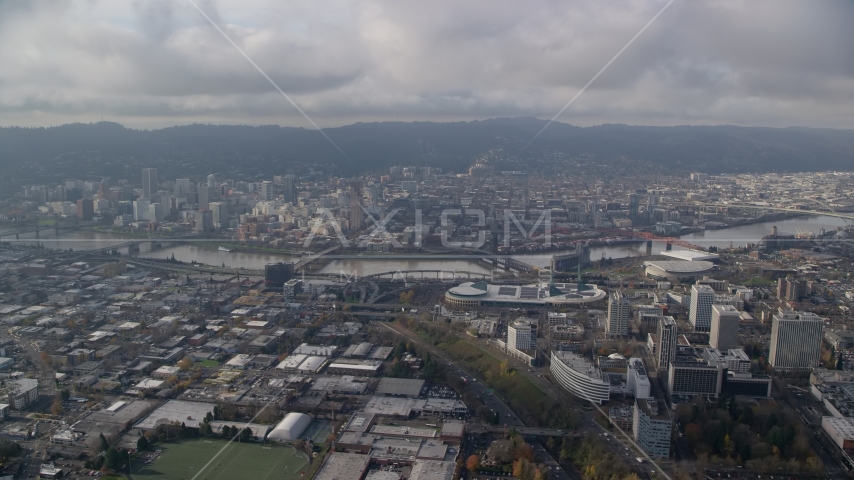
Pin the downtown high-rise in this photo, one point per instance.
(149, 182)
(795, 341)
(700, 313)
(617, 321)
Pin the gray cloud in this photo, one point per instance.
(157, 62)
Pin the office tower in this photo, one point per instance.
(651, 427)
(124, 208)
(700, 314)
(149, 182)
(73, 194)
(667, 341)
(289, 189)
(795, 341)
(140, 210)
(165, 199)
(795, 290)
(723, 334)
(790, 289)
(634, 205)
(637, 381)
(183, 187)
(206, 196)
(356, 206)
(735, 359)
(695, 378)
(782, 285)
(212, 180)
(617, 321)
(579, 376)
(522, 335)
(219, 211)
(719, 286)
(204, 221)
(85, 209)
(276, 274)
(40, 193)
(155, 212)
(266, 193)
(101, 206)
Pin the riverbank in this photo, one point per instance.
(777, 217)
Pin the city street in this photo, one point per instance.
(508, 417)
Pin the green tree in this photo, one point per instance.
(142, 444)
(103, 441)
(245, 434)
(399, 350)
(9, 449)
(113, 459)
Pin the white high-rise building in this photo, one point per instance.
(724, 330)
(140, 210)
(667, 340)
(577, 375)
(266, 192)
(522, 335)
(700, 314)
(617, 321)
(795, 341)
(149, 182)
(651, 427)
(183, 187)
(637, 380)
(155, 212)
(212, 180)
(219, 212)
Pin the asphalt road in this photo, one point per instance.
(616, 443)
(508, 417)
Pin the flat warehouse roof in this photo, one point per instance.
(343, 466)
(400, 386)
(181, 411)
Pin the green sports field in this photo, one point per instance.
(239, 461)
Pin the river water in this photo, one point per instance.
(206, 251)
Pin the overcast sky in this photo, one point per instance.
(153, 63)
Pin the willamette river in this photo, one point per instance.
(206, 251)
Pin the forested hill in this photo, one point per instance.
(108, 149)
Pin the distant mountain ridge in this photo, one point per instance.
(105, 148)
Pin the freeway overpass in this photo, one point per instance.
(179, 267)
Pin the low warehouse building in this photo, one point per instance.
(840, 430)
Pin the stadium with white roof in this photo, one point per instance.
(482, 294)
(677, 270)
